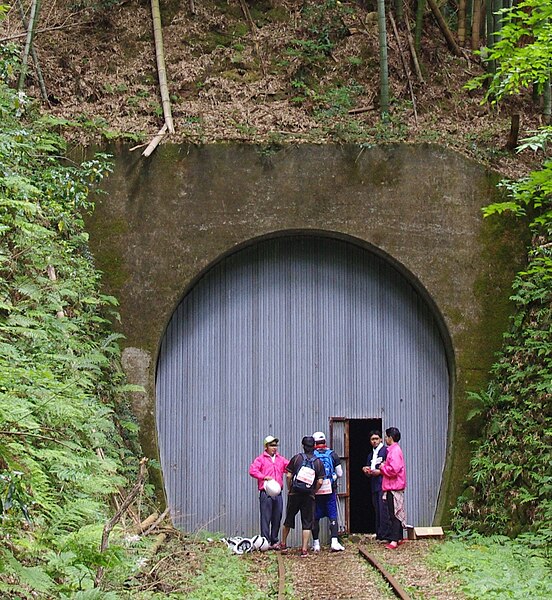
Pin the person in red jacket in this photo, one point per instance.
(266, 467)
(393, 484)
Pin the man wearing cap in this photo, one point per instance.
(304, 475)
(326, 496)
(266, 467)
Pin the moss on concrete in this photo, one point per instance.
(169, 217)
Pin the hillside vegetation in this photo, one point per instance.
(303, 72)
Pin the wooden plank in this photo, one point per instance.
(425, 532)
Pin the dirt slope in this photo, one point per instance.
(295, 77)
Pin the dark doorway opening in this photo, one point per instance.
(362, 519)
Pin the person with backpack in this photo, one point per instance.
(326, 496)
(304, 475)
(268, 469)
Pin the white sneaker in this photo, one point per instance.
(316, 546)
(336, 546)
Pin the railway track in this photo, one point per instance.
(395, 586)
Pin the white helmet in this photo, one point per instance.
(265, 544)
(272, 487)
(244, 546)
(257, 541)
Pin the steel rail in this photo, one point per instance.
(392, 581)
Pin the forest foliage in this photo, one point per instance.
(67, 442)
(509, 488)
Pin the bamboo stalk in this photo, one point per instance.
(33, 18)
(161, 69)
(405, 67)
(34, 56)
(384, 67)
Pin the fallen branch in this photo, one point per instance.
(156, 522)
(405, 67)
(155, 141)
(16, 36)
(444, 28)
(253, 29)
(147, 522)
(37, 436)
(360, 109)
(413, 52)
(108, 527)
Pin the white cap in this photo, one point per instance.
(269, 439)
(319, 436)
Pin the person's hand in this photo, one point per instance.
(267, 478)
(366, 470)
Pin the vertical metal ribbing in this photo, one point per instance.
(276, 339)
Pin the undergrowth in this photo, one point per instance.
(67, 441)
(509, 490)
(496, 567)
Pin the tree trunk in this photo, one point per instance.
(547, 106)
(384, 68)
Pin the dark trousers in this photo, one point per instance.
(381, 515)
(271, 515)
(395, 532)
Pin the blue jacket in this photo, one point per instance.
(375, 482)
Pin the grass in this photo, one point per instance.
(496, 567)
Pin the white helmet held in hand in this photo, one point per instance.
(272, 487)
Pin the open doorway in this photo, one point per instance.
(361, 512)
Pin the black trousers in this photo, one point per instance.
(395, 532)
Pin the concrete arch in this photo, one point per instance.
(279, 336)
(164, 221)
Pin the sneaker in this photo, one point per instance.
(316, 546)
(392, 545)
(281, 547)
(304, 552)
(336, 546)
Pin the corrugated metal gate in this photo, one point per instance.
(277, 339)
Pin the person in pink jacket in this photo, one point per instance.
(266, 467)
(393, 484)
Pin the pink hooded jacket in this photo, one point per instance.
(393, 470)
(263, 467)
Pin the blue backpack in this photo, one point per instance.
(326, 457)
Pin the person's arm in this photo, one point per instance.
(391, 466)
(255, 470)
(337, 465)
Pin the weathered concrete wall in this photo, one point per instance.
(166, 219)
